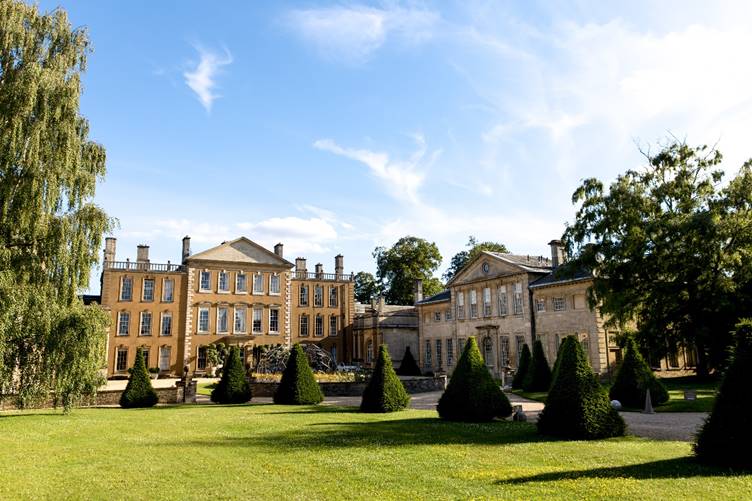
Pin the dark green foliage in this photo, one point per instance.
(233, 387)
(298, 386)
(523, 365)
(538, 377)
(385, 392)
(472, 394)
(632, 377)
(408, 366)
(138, 392)
(577, 407)
(726, 437)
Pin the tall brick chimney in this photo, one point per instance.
(186, 248)
(339, 264)
(142, 254)
(418, 290)
(319, 270)
(558, 254)
(110, 246)
(278, 249)
(300, 265)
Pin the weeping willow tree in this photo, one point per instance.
(50, 231)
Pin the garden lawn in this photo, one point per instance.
(279, 452)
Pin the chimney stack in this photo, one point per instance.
(110, 245)
(142, 254)
(319, 270)
(300, 267)
(278, 249)
(418, 290)
(339, 264)
(558, 255)
(186, 247)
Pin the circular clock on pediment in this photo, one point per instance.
(486, 268)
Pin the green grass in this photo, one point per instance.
(540, 396)
(278, 452)
(205, 388)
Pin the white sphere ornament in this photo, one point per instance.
(616, 404)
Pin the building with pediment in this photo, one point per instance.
(236, 293)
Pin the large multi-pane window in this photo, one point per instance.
(333, 325)
(586, 348)
(520, 342)
(168, 290)
(239, 326)
(437, 316)
(145, 354)
(318, 296)
(559, 304)
(518, 298)
(222, 319)
(121, 359)
(501, 294)
(473, 304)
(124, 320)
(333, 296)
(540, 304)
(504, 351)
(274, 284)
(369, 351)
(258, 283)
(241, 282)
(164, 358)
(258, 314)
(303, 295)
(303, 325)
(201, 358)
(438, 352)
(166, 329)
(205, 281)
(487, 302)
(450, 352)
(223, 282)
(274, 320)
(145, 329)
(460, 305)
(319, 332)
(203, 319)
(448, 314)
(126, 289)
(148, 292)
(427, 354)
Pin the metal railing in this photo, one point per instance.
(136, 266)
(335, 277)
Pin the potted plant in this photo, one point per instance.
(154, 372)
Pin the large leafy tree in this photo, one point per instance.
(460, 259)
(669, 246)
(50, 232)
(366, 287)
(409, 259)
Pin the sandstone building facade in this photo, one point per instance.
(236, 293)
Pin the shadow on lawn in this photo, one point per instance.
(683, 467)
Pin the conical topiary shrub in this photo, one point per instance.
(138, 392)
(385, 392)
(523, 365)
(408, 366)
(538, 377)
(298, 386)
(233, 387)
(472, 394)
(632, 377)
(726, 437)
(577, 407)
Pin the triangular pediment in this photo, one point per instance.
(493, 264)
(242, 251)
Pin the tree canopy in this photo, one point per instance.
(460, 259)
(50, 231)
(669, 247)
(366, 287)
(409, 259)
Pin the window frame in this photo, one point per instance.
(219, 328)
(473, 297)
(274, 277)
(239, 308)
(303, 321)
(171, 289)
(501, 300)
(201, 275)
(123, 280)
(318, 326)
(333, 320)
(258, 278)
(199, 330)
(275, 310)
(486, 302)
(238, 276)
(559, 303)
(153, 283)
(303, 295)
(333, 296)
(165, 315)
(142, 315)
(162, 350)
(118, 351)
(318, 297)
(260, 320)
(127, 314)
(226, 275)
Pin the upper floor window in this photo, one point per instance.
(437, 316)
(501, 292)
(145, 329)
(148, 292)
(222, 319)
(258, 313)
(168, 290)
(487, 302)
(258, 283)
(460, 305)
(223, 283)
(203, 319)
(124, 320)
(319, 332)
(303, 325)
(239, 325)
(274, 320)
(540, 304)
(166, 329)
(241, 284)
(318, 296)
(473, 304)
(333, 296)
(559, 304)
(448, 314)
(274, 283)
(518, 309)
(333, 325)
(303, 295)
(126, 289)
(205, 281)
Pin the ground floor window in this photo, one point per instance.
(369, 352)
(201, 358)
(145, 354)
(121, 359)
(319, 332)
(450, 352)
(520, 342)
(586, 347)
(164, 358)
(303, 325)
(257, 314)
(504, 351)
(673, 359)
(488, 350)
(438, 352)
(333, 325)
(427, 355)
(690, 357)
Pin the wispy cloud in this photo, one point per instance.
(202, 79)
(353, 33)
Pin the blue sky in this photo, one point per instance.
(335, 127)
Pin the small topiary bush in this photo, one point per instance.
(138, 392)
(408, 367)
(538, 377)
(472, 394)
(298, 386)
(385, 392)
(233, 387)
(577, 407)
(632, 377)
(726, 437)
(523, 365)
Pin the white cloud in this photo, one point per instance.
(202, 79)
(352, 33)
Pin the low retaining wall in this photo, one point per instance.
(335, 389)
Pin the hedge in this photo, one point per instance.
(298, 386)
(384, 392)
(139, 391)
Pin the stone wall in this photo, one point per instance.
(335, 389)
